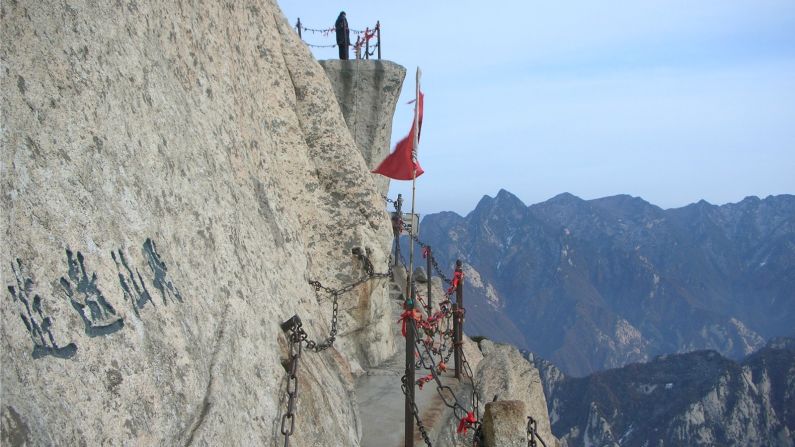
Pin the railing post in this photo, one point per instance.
(408, 438)
(378, 35)
(396, 226)
(366, 44)
(298, 27)
(358, 47)
(429, 275)
(458, 320)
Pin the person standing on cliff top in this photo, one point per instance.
(343, 35)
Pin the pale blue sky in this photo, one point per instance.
(673, 101)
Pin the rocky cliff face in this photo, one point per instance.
(367, 92)
(601, 283)
(173, 175)
(506, 375)
(700, 398)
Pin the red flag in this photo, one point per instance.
(399, 164)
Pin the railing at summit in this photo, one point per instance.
(363, 39)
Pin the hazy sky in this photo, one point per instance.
(670, 100)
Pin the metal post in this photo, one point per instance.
(378, 34)
(458, 320)
(396, 226)
(408, 439)
(298, 26)
(429, 276)
(366, 44)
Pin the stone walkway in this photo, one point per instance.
(381, 401)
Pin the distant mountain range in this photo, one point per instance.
(596, 284)
(695, 399)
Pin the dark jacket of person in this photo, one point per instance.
(343, 33)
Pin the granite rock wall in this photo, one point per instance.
(173, 174)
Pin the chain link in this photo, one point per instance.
(288, 419)
(532, 433)
(298, 338)
(426, 349)
(335, 294)
(434, 264)
(415, 410)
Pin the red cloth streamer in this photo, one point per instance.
(405, 316)
(425, 379)
(425, 251)
(441, 367)
(466, 422)
(457, 277)
(400, 164)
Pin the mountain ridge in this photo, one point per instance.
(599, 283)
(695, 398)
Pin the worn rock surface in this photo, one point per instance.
(506, 374)
(173, 175)
(505, 424)
(367, 92)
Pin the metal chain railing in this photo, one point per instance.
(434, 264)
(415, 411)
(532, 433)
(288, 419)
(298, 337)
(422, 245)
(362, 40)
(453, 404)
(335, 294)
(425, 347)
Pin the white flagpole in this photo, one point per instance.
(415, 143)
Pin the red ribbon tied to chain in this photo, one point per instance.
(425, 379)
(405, 316)
(466, 422)
(425, 251)
(457, 277)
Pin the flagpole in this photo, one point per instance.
(415, 143)
(410, 292)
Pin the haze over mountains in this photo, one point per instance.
(596, 284)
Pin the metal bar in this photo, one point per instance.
(366, 44)
(396, 226)
(298, 26)
(378, 34)
(408, 438)
(458, 320)
(428, 276)
(456, 357)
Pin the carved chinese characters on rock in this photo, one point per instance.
(33, 315)
(131, 282)
(81, 289)
(98, 315)
(160, 272)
